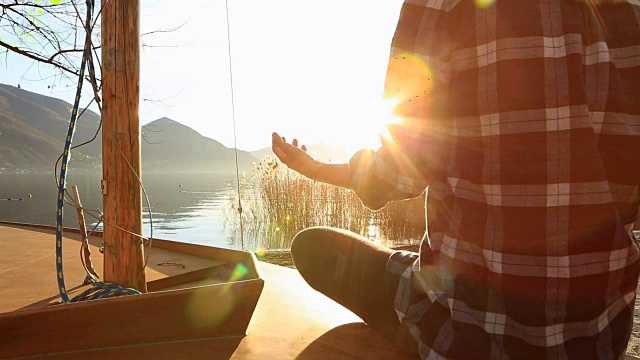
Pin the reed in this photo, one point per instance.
(278, 202)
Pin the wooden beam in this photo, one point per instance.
(209, 312)
(122, 199)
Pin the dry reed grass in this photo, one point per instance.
(278, 202)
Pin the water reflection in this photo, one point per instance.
(194, 208)
(186, 207)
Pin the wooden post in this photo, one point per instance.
(122, 198)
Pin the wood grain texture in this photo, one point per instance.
(200, 313)
(291, 320)
(121, 143)
(210, 311)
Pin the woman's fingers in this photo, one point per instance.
(276, 138)
(280, 154)
(276, 146)
(296, 143)
(282, 149)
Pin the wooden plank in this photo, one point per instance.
(121, 143)
(171, 281)
(152, 323)
(194, 250)
(199, 313)
(210, 252)
(293, 321)
(205, 349)
(27, 264)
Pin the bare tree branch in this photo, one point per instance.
(37, 58)
(164, 30)
(53, 34)
(69, 51)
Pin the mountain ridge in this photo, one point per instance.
(33, 128)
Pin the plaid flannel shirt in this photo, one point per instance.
(522, 121)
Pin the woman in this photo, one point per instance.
(522, 119)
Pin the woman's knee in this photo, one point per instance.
(307, 242)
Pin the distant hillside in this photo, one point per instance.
(33, 128)
(169, 146)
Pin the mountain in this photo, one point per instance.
(169, 146)
(33, 128)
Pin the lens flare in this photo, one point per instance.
(484, 3)
(386, 114)
(407, 90)
(239, 272)
(261, 251)
(209, 307)
(408, 78)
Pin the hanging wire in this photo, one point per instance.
(233, 116)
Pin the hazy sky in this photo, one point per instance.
(307, 69)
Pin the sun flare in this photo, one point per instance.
(407, 88)
(367, 127)
(388, 117)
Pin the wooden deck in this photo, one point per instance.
(291, 320)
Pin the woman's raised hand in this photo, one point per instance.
(294, 157)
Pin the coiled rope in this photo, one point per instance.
(99, 289)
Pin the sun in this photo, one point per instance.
(365, 128)
(407, 90)
(382, 115)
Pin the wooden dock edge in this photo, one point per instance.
(246, 258)
(198, 313)
(213, 313)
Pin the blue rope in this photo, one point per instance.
(103, 290)
(100, 289)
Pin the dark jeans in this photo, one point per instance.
(350, 270)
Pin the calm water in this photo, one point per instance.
(185, 207)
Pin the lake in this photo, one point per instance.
(193, 208)
(185, 207)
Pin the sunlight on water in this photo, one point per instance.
(372, 230)
(202, 210)
(192, 212)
